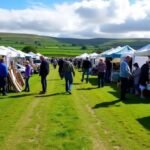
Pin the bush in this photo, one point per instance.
(28, 49)
(83, 47)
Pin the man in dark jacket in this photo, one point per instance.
(3, 76)
(60, 70)
(144, 77)
(86, 69)
(44, 71)
(108, 70)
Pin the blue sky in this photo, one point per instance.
(85, 19)
(21, 4)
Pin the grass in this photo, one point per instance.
(45, 45)
(89, 119)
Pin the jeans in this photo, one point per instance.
(124, 86)
(68, 80)
(3, 85)
(27, 87)
(136, 88)
(44, 83)
(87, 72)
(101, 76)
(108, 76)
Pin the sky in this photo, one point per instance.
(77, 18)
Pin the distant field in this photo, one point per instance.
(67, 47)
(44, 45)
(66, 51)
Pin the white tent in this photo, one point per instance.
(3, 52)
(141, 55)
(8, 52)
(21, 54)
(93, 55)
(144, 51)
(83, 56)
(17, 53)
(32, 55)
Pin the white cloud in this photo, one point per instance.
(84, 19)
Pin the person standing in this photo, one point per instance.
(144, 78)
(101, 68)
(86, 69)
(136, 76)
(55, 63)
(3, 76)
(108, 70)
(125, 74)
(69, 72)
(27, 76)
(44, 71)
(60, 64)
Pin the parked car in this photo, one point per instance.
(20, 68)
(36, 65)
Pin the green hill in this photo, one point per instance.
(61, 47)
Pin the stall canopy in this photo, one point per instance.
(144, 51)
(3, 52)
(7, 52)
(93, 55)
(124, 51)
(16, 53)
(110, 52)
(119, 52)
(83, 56)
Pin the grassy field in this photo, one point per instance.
(66, 47)
(45, 45)
(89, 119)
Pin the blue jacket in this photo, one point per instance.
(3, 70)
(124, 70)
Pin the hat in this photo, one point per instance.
(27, 62)
(1, 57)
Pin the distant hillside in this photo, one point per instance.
(52, 46)
(103, 43)
(96, 41)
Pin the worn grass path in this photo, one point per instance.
(89, 119)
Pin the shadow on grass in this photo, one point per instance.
(54, 94)
(22, 95)
(105, 104)
(3, 97)
(131, 99)
(90, 88)
(93, 81)
(77, 83)
(136, 100)
(53, 79)
(145, 122)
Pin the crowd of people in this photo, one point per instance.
(137, 80)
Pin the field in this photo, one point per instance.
(66, 47)
(45, 45)
(89, 119)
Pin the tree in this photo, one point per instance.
(83, 47)
(28, 49)
(74, 45)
